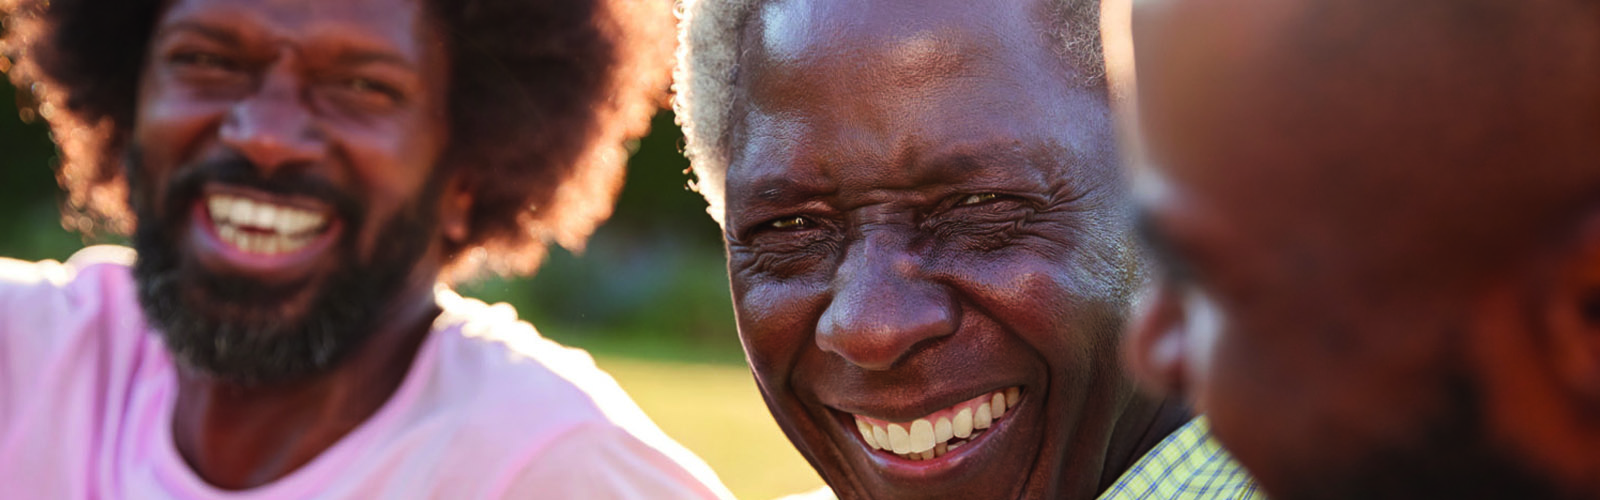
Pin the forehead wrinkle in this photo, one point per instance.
(920, 64)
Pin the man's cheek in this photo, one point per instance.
(777, 320)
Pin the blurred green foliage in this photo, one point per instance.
(652, 282)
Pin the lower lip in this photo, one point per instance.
(894, 466)
(217, 254)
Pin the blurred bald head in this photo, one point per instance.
(1393, 208)
(1418, 124)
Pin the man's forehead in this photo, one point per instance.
(394, 24)
(900, 43)
(1372, 128)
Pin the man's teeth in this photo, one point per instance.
(940, 432)
(272, 228)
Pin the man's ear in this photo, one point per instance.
(1154, 344)
(1572, 312)
(455, 210)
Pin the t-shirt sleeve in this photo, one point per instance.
(601, 461)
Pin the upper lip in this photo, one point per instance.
(909, 411)
(297, 201)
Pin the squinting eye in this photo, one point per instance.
(365, 85)
(789, 223)
(201, 59)
(977, 198)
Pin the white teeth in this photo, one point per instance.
(940, 432)
(240, 212)
(217, 205)
(962, 426)
(266, 215)
(284, 219)
(921, 436)
(866, 434)
(899, 439)
(274, 228)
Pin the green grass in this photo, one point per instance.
(714, 410)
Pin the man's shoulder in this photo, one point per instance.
(93, 281)
(512, 391)
(508, 371)
(91, 261)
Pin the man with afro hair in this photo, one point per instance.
(297, 176)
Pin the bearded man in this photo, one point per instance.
(298, 175)
(1379, 224)
(928, 246)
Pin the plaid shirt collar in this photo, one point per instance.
(1187, 465)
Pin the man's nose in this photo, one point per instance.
(883, 306)
(275, 126)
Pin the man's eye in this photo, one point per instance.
(796, 222)
(976, 199)
(365, 85)
(202, 60)
(365, 93)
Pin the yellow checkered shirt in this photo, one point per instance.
(1187, 465)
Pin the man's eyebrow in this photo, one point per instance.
(780, 190)
(976, 160)
(364, 56)
(220, 35)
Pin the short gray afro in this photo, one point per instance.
(709, 33)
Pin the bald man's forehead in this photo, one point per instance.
(1337, 74)
(1375, 121)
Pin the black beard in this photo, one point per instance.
(232, 327)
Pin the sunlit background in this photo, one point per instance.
(649, 299)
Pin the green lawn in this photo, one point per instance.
(714, 409)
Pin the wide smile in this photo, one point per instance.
(253, 232)
(936, 437)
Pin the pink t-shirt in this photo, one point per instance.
(489, 409)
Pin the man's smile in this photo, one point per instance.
(936, 434)
(247, 231)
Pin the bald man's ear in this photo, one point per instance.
(1573, 313)
(455, 210)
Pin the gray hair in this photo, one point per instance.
(709, 32)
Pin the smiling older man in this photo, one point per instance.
(929, 249)
(301, 173)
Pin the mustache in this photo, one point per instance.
(188, 184)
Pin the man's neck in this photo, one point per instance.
(239, 437)
(1143, 425)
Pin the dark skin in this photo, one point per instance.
(1376, 276)
(923, 207)
(352, 91)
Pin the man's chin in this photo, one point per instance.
(245, 332)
